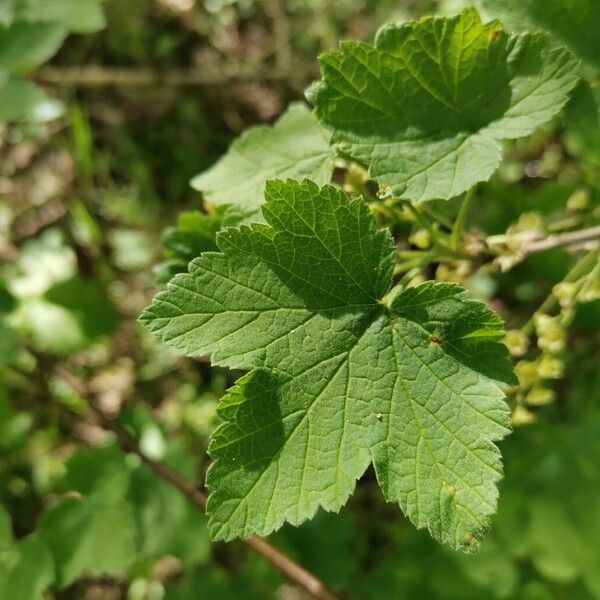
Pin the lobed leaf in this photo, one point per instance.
(341, 376)
(426, 106)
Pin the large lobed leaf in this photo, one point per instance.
(425, 108)
(341, 375)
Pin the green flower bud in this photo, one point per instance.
(551, 367)
(356, 178)
(421, 239)
(551, 334)
(529, 221)
(540, 396)
(565, 293)
(527, 373)
(578, 200)
(522, 416)
(589, 292)
(516, 342)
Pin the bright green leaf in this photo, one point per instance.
(425, 108)
(341, 378)
(296, 147)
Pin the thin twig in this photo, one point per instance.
(563, 239)
(282, 562)
(93, 76)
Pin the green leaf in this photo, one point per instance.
(24, 46)
(330, 546)
(195, 233)
(425, 108)
(341, 376)
(575, 23)
(89, 535)
(295, 147)
(6, 534)
(26, 570)
(79, 16)
(22, 100)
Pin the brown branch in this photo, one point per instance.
(282, 562)
(561, 240)
(93, 76)
(531, 242)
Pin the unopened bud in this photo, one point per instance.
(527, 373)
(540, 397)
(421, 239)
(590, 292)
(565, 293)
(578, 200)
(522, 416)
(551, 334)
(356, 178)
(551, 367)
(529, 221)
(516, 342)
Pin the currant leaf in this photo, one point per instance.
(342, 373)
(426, 107)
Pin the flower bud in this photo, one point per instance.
(551, 367)
(589, 292)
(578, 200)
(529, 221)
(516, 342)
(421, 239)
(565, 293)
(527, 373)
(356, 178)
(551, 334)
(522, 416)
(540, 396)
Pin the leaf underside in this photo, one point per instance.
(426, 107)
(339, 378)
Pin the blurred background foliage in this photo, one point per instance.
(107, 111)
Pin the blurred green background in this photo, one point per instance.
(107, 110)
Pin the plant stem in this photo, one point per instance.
(463, 211)
(423, 222)
(281, 561)
(563, 239)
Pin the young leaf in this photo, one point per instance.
(341, 375)
(296, 147)
(425, 108)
